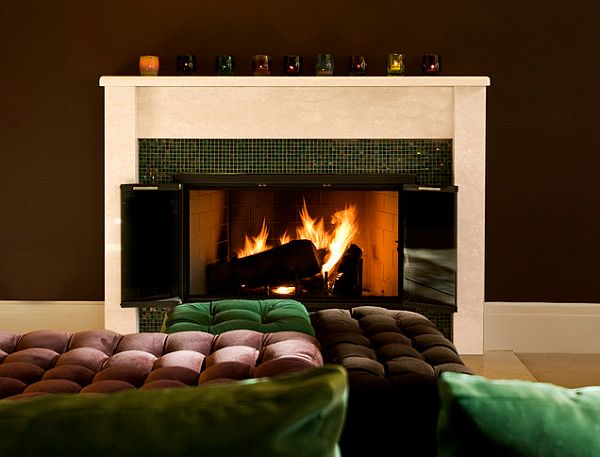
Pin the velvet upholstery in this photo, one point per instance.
(393, 359)
(298, 415)
(265, 316)
(115, 362)
(515, 418)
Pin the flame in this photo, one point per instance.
(257, 244)
(285, 238)
(343, 233)
(335, 242)
(313, 230)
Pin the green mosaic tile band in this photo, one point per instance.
(151, 319)
(429, 160)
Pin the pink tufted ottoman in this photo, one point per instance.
(101, 361)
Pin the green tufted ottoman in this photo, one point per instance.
(266, 316)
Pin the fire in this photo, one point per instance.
(343, 233)
(257, 244)
(335, 242)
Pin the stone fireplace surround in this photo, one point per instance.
(305, 107)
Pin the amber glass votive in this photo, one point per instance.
(324, 65)
(225, 65)
(148, 65)
(261, 65)
(186, 64)
(293, 65)
(431, 64)
(357, 65)
(395, 64)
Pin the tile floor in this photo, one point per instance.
(498, 365)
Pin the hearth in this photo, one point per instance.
(326, 240)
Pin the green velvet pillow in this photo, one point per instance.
(482, 417)
(284, 416)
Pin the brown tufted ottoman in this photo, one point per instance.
(102, 361)
(393, 360)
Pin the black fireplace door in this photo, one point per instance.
(151, 245)
(429, 269)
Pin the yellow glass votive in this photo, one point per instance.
(395, 65)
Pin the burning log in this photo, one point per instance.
(348, 280)
(282, 264)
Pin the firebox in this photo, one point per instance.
(335, 240)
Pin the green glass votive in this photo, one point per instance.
(225, 65)
(324, 65)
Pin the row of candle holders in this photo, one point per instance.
(293, 65)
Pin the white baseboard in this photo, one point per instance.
(71, 316)
(542, 327)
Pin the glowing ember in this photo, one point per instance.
(284, 290)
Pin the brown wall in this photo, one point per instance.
(543, 213)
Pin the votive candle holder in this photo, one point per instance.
(357, 65)
(261, 65)
(225, 65)
(149, 65)
(431, 64)
(395, 64)
(324, 65)
(186, 64)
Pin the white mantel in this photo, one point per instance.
(305, 107)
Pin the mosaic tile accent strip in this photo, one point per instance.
(430, 160)
(442, 319)
(151, 319)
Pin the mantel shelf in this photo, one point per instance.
(290, 81)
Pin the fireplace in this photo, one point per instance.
(326, 240)
(308, 109)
